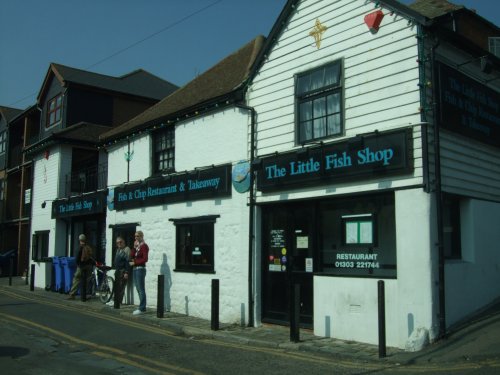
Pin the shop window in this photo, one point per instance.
(451, 227)
(40, 246)
(195, 244)
(358, 236)
(3, 142)
(319, 101)
(54, 110)
(164, 150)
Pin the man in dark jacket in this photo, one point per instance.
(84, 263)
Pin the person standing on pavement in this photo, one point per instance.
(84, 264)
(122, 268)
(138, 264)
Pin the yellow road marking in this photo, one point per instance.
(307, 357)
(99, 348)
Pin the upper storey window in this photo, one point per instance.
(164, 150)
(318, 95)
(54, 110)
(494, 46)
(3, 142)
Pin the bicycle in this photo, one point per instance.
(104, 287)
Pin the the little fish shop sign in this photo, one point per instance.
(206, 183)
(367, 156)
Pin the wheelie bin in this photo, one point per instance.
(69, 265)
(57, 271)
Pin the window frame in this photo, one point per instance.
(57, 110)
(170, 159)
(311, 95)
(494, 45)
(40, 246)
(3, 142)
(194, 224)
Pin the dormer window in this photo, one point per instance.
(54, 111)
(494, 46)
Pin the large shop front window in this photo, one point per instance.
(319, 103)
(358, 236)
(195, 244)
(54, 110)
(164, 150)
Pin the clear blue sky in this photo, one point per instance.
(183, 37)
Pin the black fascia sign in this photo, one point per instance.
(207, 183)
(367, 156)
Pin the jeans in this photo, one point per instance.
(139, 282)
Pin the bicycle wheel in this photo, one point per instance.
(106, 289)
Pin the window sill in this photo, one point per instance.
(194, 271)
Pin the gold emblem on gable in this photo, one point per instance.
(317, 32)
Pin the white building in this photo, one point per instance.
(377, 154)
(180, 173)
(68, 195)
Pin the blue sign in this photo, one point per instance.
(241, 177)
(81, 205)
(365, 156)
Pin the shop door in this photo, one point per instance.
(288, 258)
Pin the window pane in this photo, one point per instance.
(303, 84)
(332, 75)
(317, 79)
(305, 131)
(333, 122)
(319, 107)
(333, 103)
(320, 127)
(305, 111)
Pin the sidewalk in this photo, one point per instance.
(477, 341)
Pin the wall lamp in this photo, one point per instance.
(44, 203)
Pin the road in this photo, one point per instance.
(52, 337)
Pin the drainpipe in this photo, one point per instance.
(439, 211)
(251, 216)
(437, 172)
(437, 188)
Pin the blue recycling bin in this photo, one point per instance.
(58, 274)
(69, 266)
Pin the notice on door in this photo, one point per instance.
(277, 238)
(302, 242)
(309, 264)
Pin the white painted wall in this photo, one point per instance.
(472, 282)
(347, 308)
(216, 138)
(46, 184)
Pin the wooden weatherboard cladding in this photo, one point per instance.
(362, 157)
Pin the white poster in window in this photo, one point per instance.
(309, 264)
(302, 242)
(351, 232)
(365, 232)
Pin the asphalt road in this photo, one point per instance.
(40, 336)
